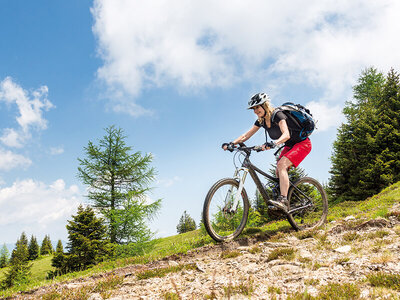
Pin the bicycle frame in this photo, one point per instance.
(248, 167)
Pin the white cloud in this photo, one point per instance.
(10, 160)
(31, 106)
(326, 115)
(322, 44)
(56, 150)
(168, 182)
(37, 208)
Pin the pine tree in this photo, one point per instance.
(186, 223)
(47, 247)
(118, 181)
(60, 247)
(366, 152)
(19, 269)
(58, 261)
(33, 248)
(87, 243)
(4, 253)
(21, 249)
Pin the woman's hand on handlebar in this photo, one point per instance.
(228, 146)
(265, 146)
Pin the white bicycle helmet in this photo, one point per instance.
(258, 99)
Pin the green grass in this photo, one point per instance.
(376, 206)
(39, 270)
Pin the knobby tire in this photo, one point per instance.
(224, 227)
(306, 189)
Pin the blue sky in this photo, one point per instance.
(176, 76)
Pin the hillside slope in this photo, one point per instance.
(357, 255)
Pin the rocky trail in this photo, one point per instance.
(324, 264)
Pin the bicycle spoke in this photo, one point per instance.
(308, 204)
(224, 219)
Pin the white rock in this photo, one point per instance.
(305, 253)
(172, 263)
(343, 249)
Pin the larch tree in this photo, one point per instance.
(118, 182)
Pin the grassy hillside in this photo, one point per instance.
(377, 206)
(39, 270)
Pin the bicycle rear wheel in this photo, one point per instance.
(308, 204)
(225, 212)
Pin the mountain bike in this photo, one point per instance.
(226, 206)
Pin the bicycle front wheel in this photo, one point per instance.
(308, 204)
(225, 211)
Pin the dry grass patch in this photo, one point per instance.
(103, 286)
(339, 291)
(378, 234)
(161, 272)
(341, 260)
(383, 258)
(255, 250)
(246, 287)
(230, 254)
(350, 237)
(381, 279)
(282, 253)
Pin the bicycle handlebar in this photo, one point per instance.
(247, 150)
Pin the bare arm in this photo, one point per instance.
(285, 132)
(247, 135)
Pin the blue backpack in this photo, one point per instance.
(301, 116)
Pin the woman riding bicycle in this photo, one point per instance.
(279, 130)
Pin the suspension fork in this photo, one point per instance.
(229, 205)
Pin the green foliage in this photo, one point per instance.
(186, 223)
(47, 247)
(19, 270)
(366, 153)
(4, 256)
(33, 248)
(118, 181)
(87, 244)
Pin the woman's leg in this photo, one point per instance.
(282, 171)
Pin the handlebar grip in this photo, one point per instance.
(271, 145)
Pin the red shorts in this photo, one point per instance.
(298, 152)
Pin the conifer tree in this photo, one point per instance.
(60, 247)
(21, 248)
(118, 181)
(47, 247)
(4, 253)
(19, 269)
(58, 261)
(186, 223)
(366, 152)
(33, 248)
(87, 240)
